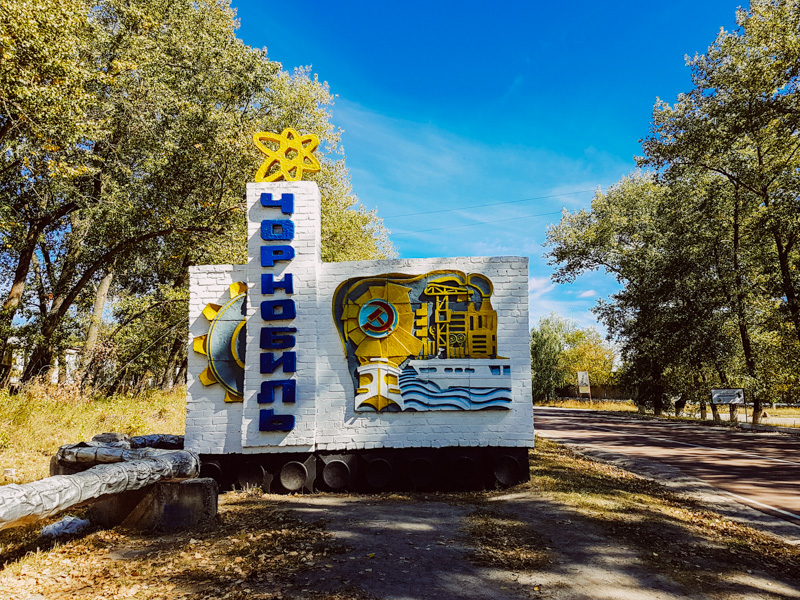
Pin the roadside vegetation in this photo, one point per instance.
(608, 405)
(42, 417)
(559, 350)
(703, 238)
(783, 416)
(677, 536)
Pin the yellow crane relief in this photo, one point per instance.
(453, 333)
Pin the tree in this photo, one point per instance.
(586, 351)
(559, 350)
(144, 175)
(705, 246)
(741, 123)
(44, 104)
(547, 347)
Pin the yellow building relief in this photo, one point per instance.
(289, 155)
(388, 324)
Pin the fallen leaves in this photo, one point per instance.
(251, 551)
(503, 541)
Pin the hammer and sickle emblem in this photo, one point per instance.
(377, 318)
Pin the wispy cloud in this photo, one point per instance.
(400, 165)
(539, 286)
(427, 183)
(515, 85)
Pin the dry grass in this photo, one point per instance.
(503, 541)
(255, 548)
(622, 405)
(35, 422)
(252, 551)
(675, 534)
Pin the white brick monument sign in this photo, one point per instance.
(328, 361)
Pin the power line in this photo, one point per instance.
(473, 224)
(431, 212)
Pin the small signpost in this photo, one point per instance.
(583, 384)
(727, 396)
(731, 397)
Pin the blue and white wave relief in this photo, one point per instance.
(426, 395)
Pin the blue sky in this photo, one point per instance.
(526, 107)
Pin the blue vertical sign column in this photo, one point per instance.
(277, 337)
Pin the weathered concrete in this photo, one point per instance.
(163, 506)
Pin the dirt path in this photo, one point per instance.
(401, 550)
(404, 551)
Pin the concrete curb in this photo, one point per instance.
(775, 428)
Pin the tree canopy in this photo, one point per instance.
(703, 239)
(125, 139)
(559, 350)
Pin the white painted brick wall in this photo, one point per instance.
(212, 425)
(324, 410)
(304, 268)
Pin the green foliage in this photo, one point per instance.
(559, 351)
(705, 246)
(125, 144)
(547, 347)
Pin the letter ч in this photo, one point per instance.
(286, 203)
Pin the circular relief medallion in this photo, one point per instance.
(377, 318)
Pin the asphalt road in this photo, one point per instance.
(761, 470)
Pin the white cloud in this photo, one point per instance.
(539, 286)
(587, 294)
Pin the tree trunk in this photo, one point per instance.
(180, 378)
(61, 365)
(739, 308)
(68, 292)
(168, 377)
(97, 318)
(715, 414)
(26, 256)
(787, 282)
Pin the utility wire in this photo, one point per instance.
(393, 233)
(431, 212)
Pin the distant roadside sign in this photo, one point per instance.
(583, 382)
(727, 396)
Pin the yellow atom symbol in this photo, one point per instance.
(292, 158)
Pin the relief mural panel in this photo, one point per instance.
(422, 342)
